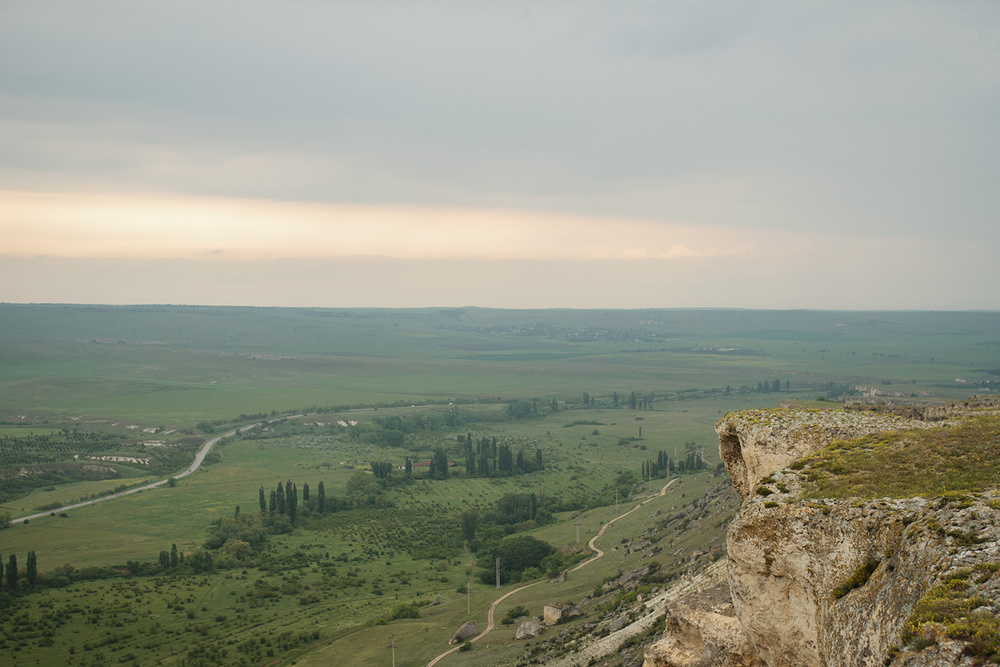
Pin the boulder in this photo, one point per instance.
(530, 629)
(466, 630)
(554, 614)
(630, 579)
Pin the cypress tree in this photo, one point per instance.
(321, 498)
(293, 502)
(12, 574)
(305, 492)
(290, 499)
(174, 558)
(280, 497)
(263, 500)
(272, 504)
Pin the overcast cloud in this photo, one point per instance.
(739, 148)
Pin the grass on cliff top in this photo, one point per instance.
(903, 465)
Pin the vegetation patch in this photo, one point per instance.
(954, 461)
(954, 605)
(860, 577)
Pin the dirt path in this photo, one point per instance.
(591, 544)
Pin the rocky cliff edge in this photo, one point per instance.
(864, 539)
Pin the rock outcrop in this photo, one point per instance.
(554, 614)
(755, 443)
(703, 631)
(855, 581)
(529, 629)
(466, 630)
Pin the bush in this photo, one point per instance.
(405, 611)
(514, 613)
(860, 577)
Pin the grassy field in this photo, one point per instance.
(177, 365)
(117, 370)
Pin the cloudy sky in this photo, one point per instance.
(505, 154)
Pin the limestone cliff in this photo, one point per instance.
(703, 631)
(859, 579)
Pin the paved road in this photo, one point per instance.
(598, 554)
(198, 459)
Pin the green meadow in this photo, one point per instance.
(606, 392)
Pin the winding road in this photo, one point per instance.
(198, 459)
(591, 544)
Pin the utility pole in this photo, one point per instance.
(392, 645)
(468, 598)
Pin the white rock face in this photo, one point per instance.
(702, 631)
(785, 561)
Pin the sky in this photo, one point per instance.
(827, 155)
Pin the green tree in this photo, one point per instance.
(506, 461)
(321, 498)
(280, 497)
(12, 574)
(516, 553)
(305, 492)
(174, 556)
(291, 501)
(262, 500)
(520, 409)
(439, 464)
(470, 520)
(362, 489)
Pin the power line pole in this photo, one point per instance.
(392, 645)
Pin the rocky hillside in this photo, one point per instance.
(865, 537)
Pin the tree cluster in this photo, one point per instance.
(487, 458)
(282, 501)
(658, 468)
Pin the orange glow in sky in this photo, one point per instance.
(87, 225)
